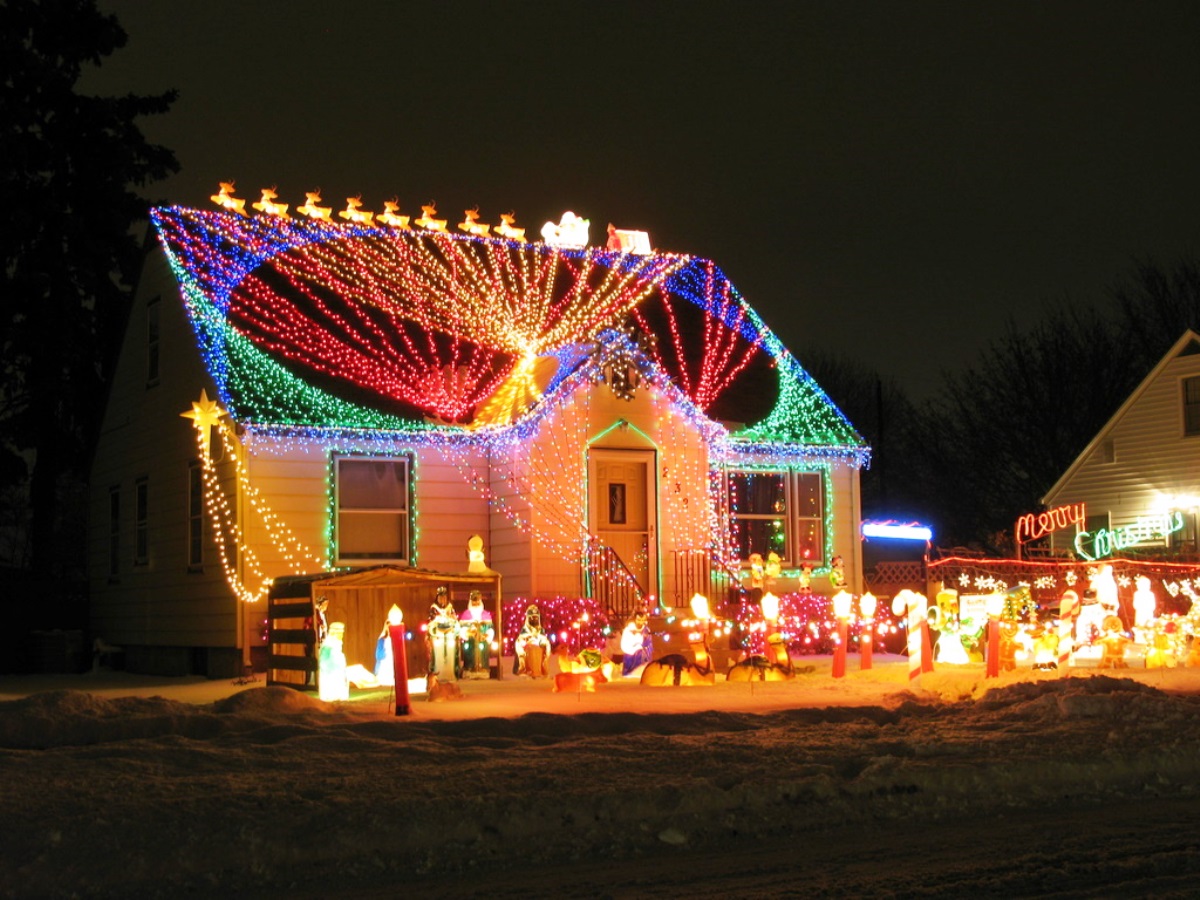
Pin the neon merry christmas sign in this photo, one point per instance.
(1097, 544)
(1031, 527)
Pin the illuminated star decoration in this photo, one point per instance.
(204, 414)
(208, 417)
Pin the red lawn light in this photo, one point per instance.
(399, 659)
(995, 607)
(866, 634)
(841, 611)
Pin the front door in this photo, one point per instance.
(623, 511)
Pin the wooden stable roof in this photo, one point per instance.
(376, 576)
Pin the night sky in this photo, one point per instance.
(884, 182)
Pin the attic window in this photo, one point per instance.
(1108, 451)
(373, 510)
(1191, 405)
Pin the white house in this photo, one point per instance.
(1137, 483)
(296, 395)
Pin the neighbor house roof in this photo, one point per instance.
(318, 325)
(1189, 342)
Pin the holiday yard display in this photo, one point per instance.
(315, 330)
(677, 670)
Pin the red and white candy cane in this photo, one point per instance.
(913, 606)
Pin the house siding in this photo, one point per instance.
(161, 603)
(293, 480)
(533, 516)
(1151, 460)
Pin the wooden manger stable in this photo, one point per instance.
(361, 599)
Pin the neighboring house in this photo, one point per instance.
(1136, 486)
(614, 425)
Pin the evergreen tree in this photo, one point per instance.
(72, 164)
(1001, 433)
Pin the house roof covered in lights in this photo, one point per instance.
(312, 324)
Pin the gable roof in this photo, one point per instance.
(315, 325)
(1188, 343)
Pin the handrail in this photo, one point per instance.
(699, 572)
(611, 583)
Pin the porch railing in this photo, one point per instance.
(696, 572)
(611, 584)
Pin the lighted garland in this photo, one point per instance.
(807, 625)
(297, 558)
(578, 622)
(453, 327)
(1174, 584)
(493, 302)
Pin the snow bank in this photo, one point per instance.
(269, 786)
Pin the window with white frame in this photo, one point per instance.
(778, 511)
(1184, 539)
(373, 510)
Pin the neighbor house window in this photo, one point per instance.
(141, 522)
(1183, 540)
(1191, 405)
(114, 532)
(152, 341)
(1063, 539)
(373, 510)
(780, 512)
(195, 529)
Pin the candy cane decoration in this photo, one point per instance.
(1068, 609)
(913, 606)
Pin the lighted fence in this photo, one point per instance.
(1174, 584)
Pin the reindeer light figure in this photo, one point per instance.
(427, 220)
(313, 210)
(506, 230)
(268, 207)
(776, 664)
(471, 224)
(390, 215)
(354, 214)
(225, 199)
(677, 670)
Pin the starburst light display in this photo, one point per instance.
(325, 325)
(334, 334)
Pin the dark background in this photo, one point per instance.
(887, 182)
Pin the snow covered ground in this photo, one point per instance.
(1026, 785)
